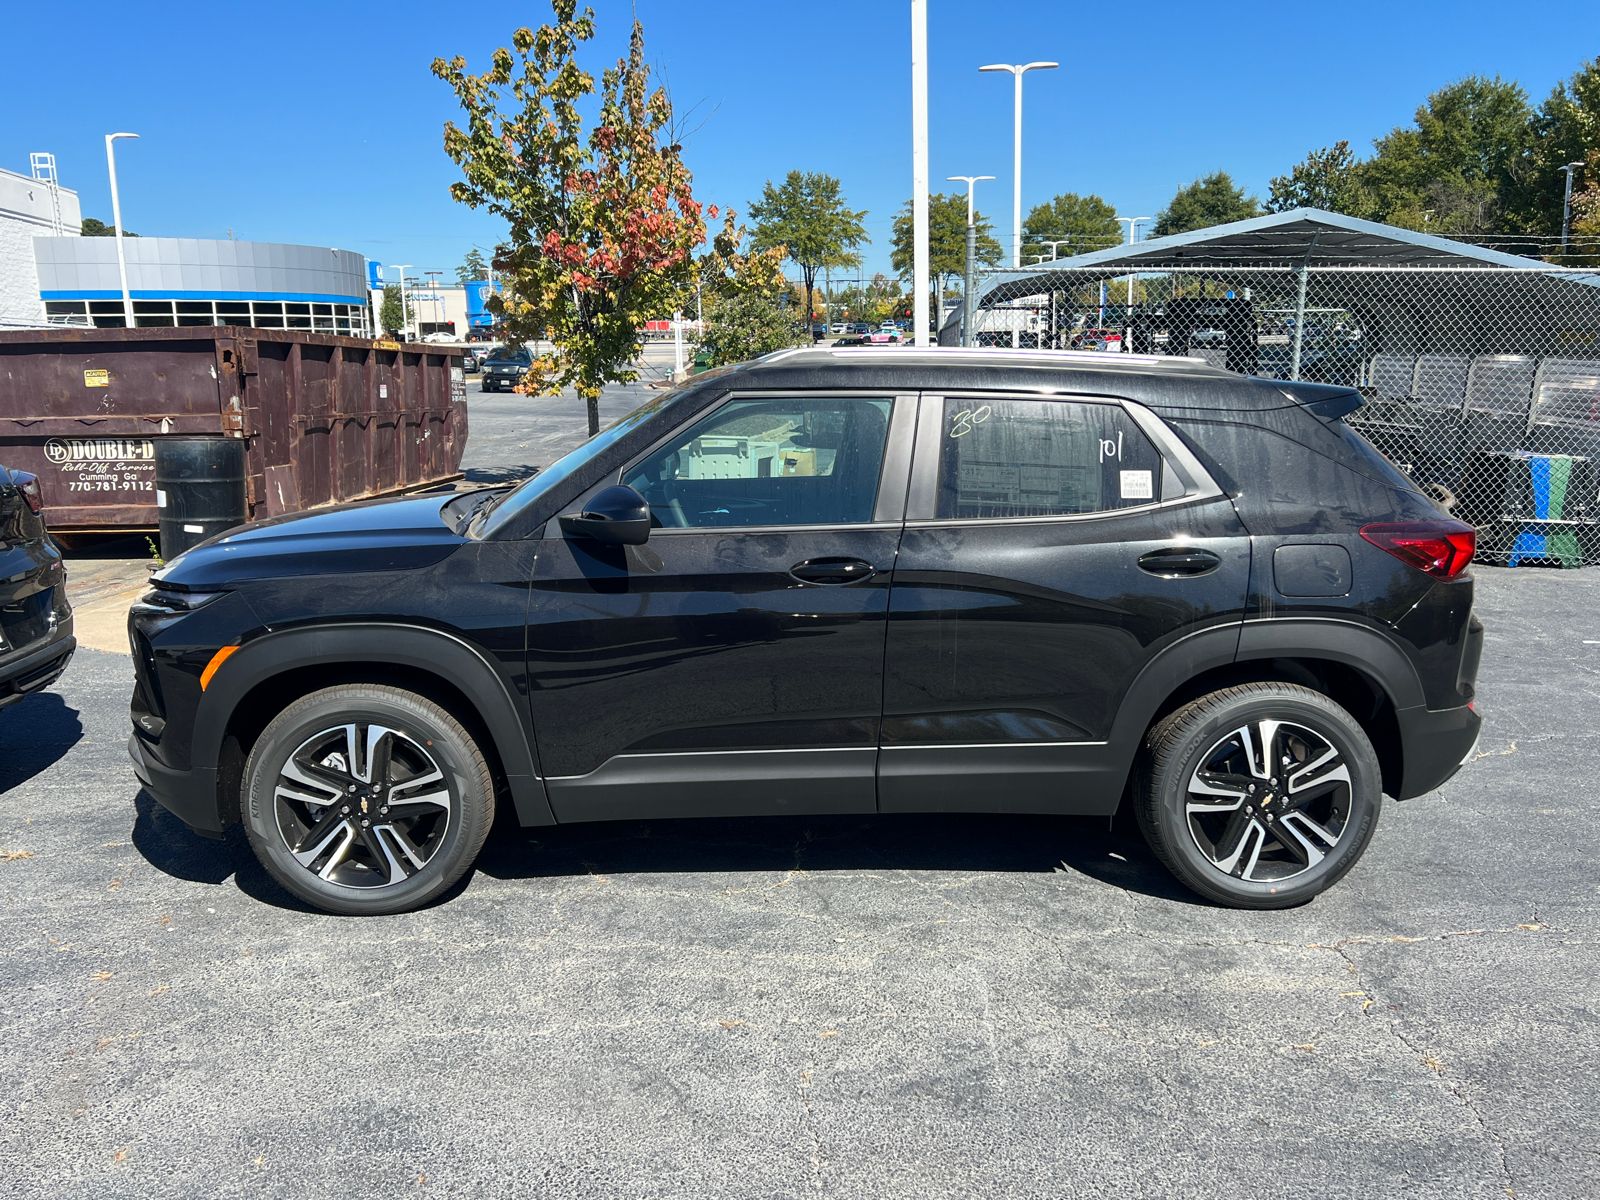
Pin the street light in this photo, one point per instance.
(438, 301)
(116, 223)
(969, 316)
(1018, 70)
(1127, 337)
(1566, 204)
(401, 267)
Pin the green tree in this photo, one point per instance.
(947, 239)
(392, 313)
(473, 267)
(1566, 129)
(746, 301)
(1329, 178)
(603, 222)
(807, 217)
(93, 227)
(1460, 167)
(1087, 221)
(1212, 200)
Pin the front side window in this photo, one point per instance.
(1042, 458)
(790, 461)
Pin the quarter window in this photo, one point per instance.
(799, 461)
(1042, 458)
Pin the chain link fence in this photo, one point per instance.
(1481, 382)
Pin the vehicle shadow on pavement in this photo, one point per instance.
(35, 734)
(171, 847)
(910, 842)
(816, 845)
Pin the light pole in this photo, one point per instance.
(438, 300)
(1018, 70)
(1127, 335)
(919, 174)
(116, 223)
(1566, 204)
(969, 314)
(401, 267)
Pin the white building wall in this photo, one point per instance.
(28, 210)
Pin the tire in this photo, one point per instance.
(417, 792)
(1243, 829)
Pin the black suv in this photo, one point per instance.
(36, 639)
(504, 368)
(834, 582)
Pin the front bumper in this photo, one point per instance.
(37, 667)
(1436, 743)
(190, 795)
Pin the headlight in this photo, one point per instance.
(171, 600)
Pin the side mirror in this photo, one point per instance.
(618, 516)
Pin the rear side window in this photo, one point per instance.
(1042, 458)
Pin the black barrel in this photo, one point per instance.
(199, 489)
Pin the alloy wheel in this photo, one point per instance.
(1269, 801)
(362, 805)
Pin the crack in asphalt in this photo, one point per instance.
(1424, 1055)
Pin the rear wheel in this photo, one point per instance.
(1259, 796)
(366, 799)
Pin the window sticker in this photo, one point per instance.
(1138, 485)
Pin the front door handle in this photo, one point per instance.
(1175, 561)
(833, 571)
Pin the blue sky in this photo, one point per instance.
(320, 123)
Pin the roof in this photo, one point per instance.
(1147, 379)
(1301, 236)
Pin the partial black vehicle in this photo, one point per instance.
(834, 581)
(504, 368)
(36, 641)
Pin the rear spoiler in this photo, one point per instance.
(1325, 402)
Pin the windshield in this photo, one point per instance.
(520, 355)
(505, 510)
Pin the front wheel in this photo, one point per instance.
(364, 799)
(1258, 796)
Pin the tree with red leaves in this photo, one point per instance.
(603, 223)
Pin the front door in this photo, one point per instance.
(1051, 549)
(734, 663)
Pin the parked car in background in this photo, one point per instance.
(1204, 592)
(886, 334)
(504, 368)
(1209, 337)
(860, 327)
(36, 641)
(469, 360)
(441, 339)
(839, 327)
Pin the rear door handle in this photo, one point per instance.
(833, 571)
(1175, 561)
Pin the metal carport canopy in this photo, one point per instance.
(1306, 238)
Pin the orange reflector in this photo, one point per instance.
(217, 659)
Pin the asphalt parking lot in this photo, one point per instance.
(849, 1007)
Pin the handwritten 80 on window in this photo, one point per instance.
(968, 419)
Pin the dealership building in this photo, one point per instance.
(201, 281)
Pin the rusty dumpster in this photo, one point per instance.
(325, 419)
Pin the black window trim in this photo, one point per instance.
(1182, 474)
(889, 507)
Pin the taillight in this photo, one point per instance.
(28, 485)
(1439, 548)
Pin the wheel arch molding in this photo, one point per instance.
(372, 652)
(1230, 654)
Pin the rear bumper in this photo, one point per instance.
(1436, 744)
(190, 795)
(35, 669)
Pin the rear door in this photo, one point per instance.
(30, 569)
(1053, 547)
(734, 663)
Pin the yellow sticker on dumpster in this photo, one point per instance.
(98, 377)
